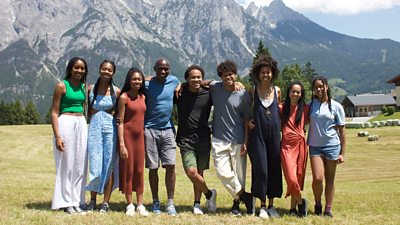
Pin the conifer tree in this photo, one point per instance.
(18, 113)
(31, 114)
(3, 112)
(261, 49)
(47, 118)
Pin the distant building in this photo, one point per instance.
(396, 80)
(366, 104)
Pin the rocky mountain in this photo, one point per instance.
(38, 37)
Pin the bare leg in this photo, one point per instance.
(318, 170)
(108, 189)
(197, 179)
(153, 180)
(330, 171)
(293, 202)
(139, 198)
(170, 180)
(128, 197)
(93, 195)
(196, 188)
(270, 201)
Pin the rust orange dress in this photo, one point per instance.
(131, 170)
(294, 151)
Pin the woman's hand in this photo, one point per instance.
(59, 144)
(340, 159)
(123, 152)
(239, 86)
(243, 150)
(251, 124)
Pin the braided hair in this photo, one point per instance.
(300, 106)
(96, 86)
(325, 82)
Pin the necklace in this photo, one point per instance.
(268, 92)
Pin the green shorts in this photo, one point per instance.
(196, 155)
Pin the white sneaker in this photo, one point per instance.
(263, 213)
(171, 210)
(273, 213)
(130, 210)
(197, 209)
(79, 210)
(142, 211)
(211, 204)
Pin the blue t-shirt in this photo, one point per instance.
(159, 102)
(322, 129)
(230, 110)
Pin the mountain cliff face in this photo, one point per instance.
(39, 36)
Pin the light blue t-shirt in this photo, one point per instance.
(159, 102)
(230, 110)
(322, 129)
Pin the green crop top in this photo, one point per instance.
(73, 99)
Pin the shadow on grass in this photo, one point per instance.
(121, 207)
(45, 206)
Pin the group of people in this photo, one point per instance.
(132, 129)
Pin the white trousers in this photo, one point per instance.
(71, 164)
(229, 165)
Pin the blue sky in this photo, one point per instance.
(360, 18)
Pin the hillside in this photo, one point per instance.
(39, 36)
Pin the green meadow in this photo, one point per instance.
(367, 186)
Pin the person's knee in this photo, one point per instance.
(191, 172)
(153, 171)
(318, 178)
(169, 168)
(330, 180)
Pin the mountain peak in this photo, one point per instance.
(252, 9)
(277, 3)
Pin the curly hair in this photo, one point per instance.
(226, 66)
(194, 67)
(264, 60)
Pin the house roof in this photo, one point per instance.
(394, 79)
(371, 99)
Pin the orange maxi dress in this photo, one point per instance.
(131, 170)
(294, 151)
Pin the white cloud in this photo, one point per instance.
(339, 7)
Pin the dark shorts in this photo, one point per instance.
(196, 155)
(160, 146)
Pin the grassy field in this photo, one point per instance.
(396, 115)
(367, 186)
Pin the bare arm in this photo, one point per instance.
(250, 122)
(342, 137)
(278, 91)
(123, 152)
(59, 91)
(243, 150)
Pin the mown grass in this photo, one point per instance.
(396, 115)
(367, 187)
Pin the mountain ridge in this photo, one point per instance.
(41, 35)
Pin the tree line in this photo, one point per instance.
(14, 113)
(288, 74)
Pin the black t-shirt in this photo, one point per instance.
(193, 113)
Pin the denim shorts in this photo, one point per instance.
(329, 152)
